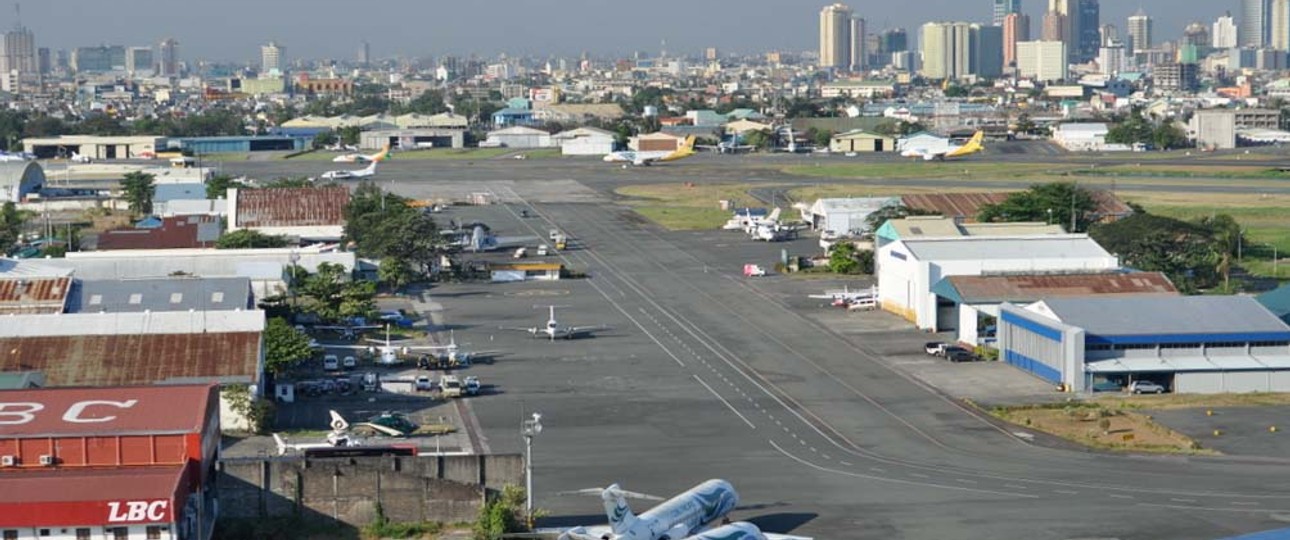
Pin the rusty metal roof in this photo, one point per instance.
(33, 295)
(174, 233)
(291, 207)
(106, 360)
(966, 206)
(151, 410)
(1029, 288)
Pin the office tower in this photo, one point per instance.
(1109, 33)
(1279, 25)
(857, 52)
(1086, 32)
(1042, 60)
(272, 58)
(1112, 59)
(1054, 27)
(1140, 26)
(138, 60)
(1224, 34)
(1016, 28)
(44, 60)
(1197, 35)
(835, 36)
(1253, 30)
(18, 54)
(895, 40)
(1003, 8)
(99, 59)
(168, 58)
(986, 51)
(947, 50)
(711, 54)
(364, 54)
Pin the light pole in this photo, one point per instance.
(529, 428)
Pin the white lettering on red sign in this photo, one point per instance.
(136, 511)
(12, 414)
(73, 414)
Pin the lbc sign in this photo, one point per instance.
(137, 511)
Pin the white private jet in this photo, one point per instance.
(728, 146)
(755, 223)
(682, 517)
(643, 159)
(453, 354)
(942, 150)
(847, 297)
(387, 352)
(367, 172)
(553, 330)
(360, 158)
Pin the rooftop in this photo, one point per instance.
(1065, 246)
(132, 359)
(33, 295)
(290, 207)
(1168, 315)
(161, 294)
(175, 232)
(77, 485)
(153, 409)
(1030, 288)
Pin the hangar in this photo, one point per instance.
(18, 179)
(95, 147)
(1188, 344)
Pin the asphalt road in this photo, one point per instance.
(704, 374)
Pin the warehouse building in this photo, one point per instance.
(908, 269)
(518, 137)
(311, 214)
(19, 179)
(915, 227)
(861, 141)
(1188, 344)
(119, 462)
(585, 141)
(94, 147)
(844, 216)
(239, 145)
(413, 138)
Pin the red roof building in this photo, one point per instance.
(119, 462)
(176, 232)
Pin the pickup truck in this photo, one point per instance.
(935, 348)
(450, 385)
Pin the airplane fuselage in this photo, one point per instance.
(687, 512)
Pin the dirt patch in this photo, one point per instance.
(1103, 428)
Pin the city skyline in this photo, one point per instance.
(328, 28)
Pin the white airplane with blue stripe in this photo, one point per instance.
(683, 517)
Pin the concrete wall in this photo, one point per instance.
(425, 488)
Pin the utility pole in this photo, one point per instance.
(529, 428)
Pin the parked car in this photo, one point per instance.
(472, 385)
(542, 251)
(1107, 386)
(349, 362)
(424, 384)
(829, 235)
(959, 354)
(1146, 387)
(331, 363)
(935, 348)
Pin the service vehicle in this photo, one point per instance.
(331, 363)
(450, 385)
(472, 385)
(424, 384)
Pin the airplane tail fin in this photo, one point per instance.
(774, 214)
(383, 155)
(620, 515)
(338, 422)
(971, 147)
(689, 142)
(282, 444)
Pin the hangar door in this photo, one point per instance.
(1198, 382)
(1032, 347)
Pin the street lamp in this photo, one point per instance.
(529, 428)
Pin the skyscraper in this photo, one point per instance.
(1016, 28)
(1254, 23)
(17, 57)
(1086, 31)
(364, 54)
(272, 58)
(986, 51)
(1140, 26)
(138, 60)
(1109, 33)
(1054, 28)
(835, 36)
(1042, 60)
(1003, 8)
(947, 50)
(1224, 34)
(1279, 25)
(857, 52)
(1197, 35)
(168, 58)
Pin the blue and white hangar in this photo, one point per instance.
(1188, 344)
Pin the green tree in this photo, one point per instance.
(1183, 251)
(1053, 203)
(501, 514)
(249, 239)
(139, 189)
(350, 135)
(1135, 129)
(12, 124)
(1168, 136)
(217, 187)
(11, 223)
(822, 138)
(429, 102)
(284, 346)
(842, 259)
(758, 139)
(100, 124)
(395, 272)
(324, 139)
(956, 91)
(45, 126)
(382, 225)
(1025, 124)
(332, 295)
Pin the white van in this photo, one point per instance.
(331, 363)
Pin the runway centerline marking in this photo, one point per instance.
(727, 403)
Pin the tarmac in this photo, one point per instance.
(829, 425)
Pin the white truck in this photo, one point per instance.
(450, 385)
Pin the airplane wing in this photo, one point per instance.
(575, 330)
(503, 242)
(518, 329)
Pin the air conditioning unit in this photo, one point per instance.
(8, 461)
(47, 460)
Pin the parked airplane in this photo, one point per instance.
(792, 147)
(682, 517)
(16, 156)
(846, 296)
(553, 329)
(647, 158)
(728, 146)
(360, 158)
(942, 150)
(453, 354)
(367, 172)
(758, 222)
(78, 158)
(386, 352)
(481, 239)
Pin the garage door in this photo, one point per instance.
(1247, 381)
(1198, 383)
(947, 316)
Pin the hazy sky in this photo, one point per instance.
(234, 29)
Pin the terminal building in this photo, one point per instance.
(1188, 344)
(119, 463)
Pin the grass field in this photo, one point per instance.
(1266, 219)
(825, 191)
(1105, 428)
(679, 207)
(1185, 171)
(921, 169)
(429, 154)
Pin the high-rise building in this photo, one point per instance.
(1197, 35)
(1003, 8)
(1254, 23)
(1224, 34)
(364, 54)
(99, 59)
(986, 51)
(1111, 58)
(857, 52)
(1016, 28)
(894, 40)
(17, 58)
(138, 60)
(1109, 33)
(711, 54)
(168, 58)
(835, 36)
(947, 50)
(44, 60)
(1054, 28)
(1279, 25)
(273, 58)
(1042, 60)
(1140, 27)
(1086, 30)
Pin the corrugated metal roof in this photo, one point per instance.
(33, 295)
(1066, 246)
(75, 485)
(253, 263)
(192, 231)
(11, 268)
(1166, 315)
(1029, 288)
(156, 409)
(161, 294)
(291, 207)
(120, 360)
(966, 206)
(144, 323)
